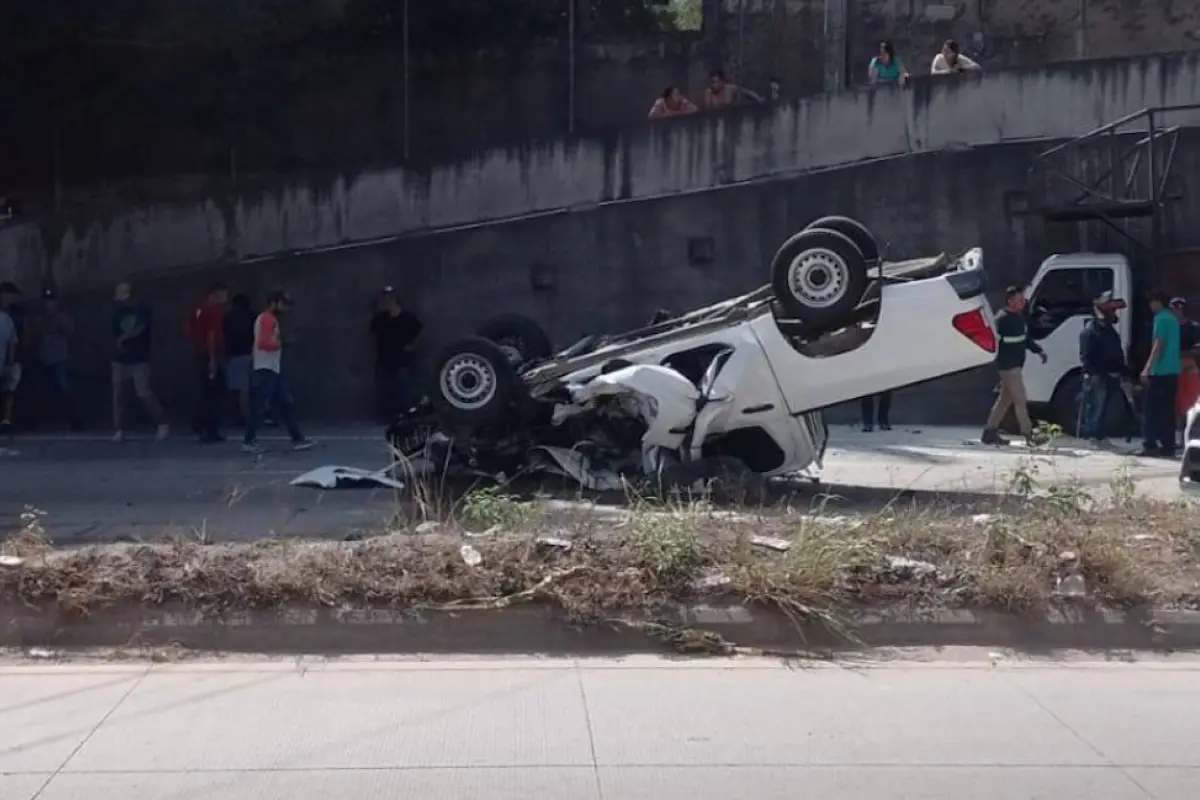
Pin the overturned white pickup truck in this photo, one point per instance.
(737, 385)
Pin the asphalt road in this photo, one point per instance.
(93, 490)
(985, 727)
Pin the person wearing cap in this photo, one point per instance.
(11, 324)
(1010, 363)
(51, 329)
(395, 331)
(267, 387)
(1102, 357)
(1189, 362)
(1161, 378)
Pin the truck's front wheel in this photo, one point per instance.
(1066, 407)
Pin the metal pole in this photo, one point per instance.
(741, 25)
(57, 166)
(407, 84)
(571, 66)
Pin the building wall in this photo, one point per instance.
(610, 267)
(105, 237)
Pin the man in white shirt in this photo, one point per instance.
(950, 60)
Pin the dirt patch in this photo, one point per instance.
(495, 553)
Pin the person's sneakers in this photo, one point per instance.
(162, 433)
(303, 444)
(252, 448)
(118, 436)
(883, 426)
(992, 436)
(867, 428)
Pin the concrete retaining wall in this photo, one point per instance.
(100, 244)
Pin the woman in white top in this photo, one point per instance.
(950, 60)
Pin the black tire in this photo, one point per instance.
(517, 335)
(1067, 402)
(853, 230)
(472, 381)
(828, 289)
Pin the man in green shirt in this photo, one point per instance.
(1161, 378)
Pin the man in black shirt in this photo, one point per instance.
(1010, 360)
(395, 331)
(1102, 356)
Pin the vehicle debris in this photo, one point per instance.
(771, 543)
(470, 556)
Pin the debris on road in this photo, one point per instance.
(470, 556)
(771, 543)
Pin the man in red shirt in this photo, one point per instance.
(207, 332)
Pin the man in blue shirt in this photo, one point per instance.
(1161, 378)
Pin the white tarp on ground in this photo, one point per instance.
(333, 477)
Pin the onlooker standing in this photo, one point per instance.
(951, 60)
(885, 67)
(131, 326)
(239, 349)
(10, 367)
(1102, 357)
(206, 328)
(1189, 361)
(884, 402)
(267, 387)
(396, 331)
(1161, 377)
(672, 103)
(1010, 361)
(723, 94)
(774, 90)
(52, 329)
(10, 380)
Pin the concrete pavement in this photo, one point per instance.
(974, 725)
(94, 490)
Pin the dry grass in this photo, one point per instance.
(1125, 553)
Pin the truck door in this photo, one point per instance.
(1061, 300)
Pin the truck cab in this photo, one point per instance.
(1060, 300)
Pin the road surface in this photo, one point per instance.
(982, 727)
(93, 490)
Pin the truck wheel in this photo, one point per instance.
(521, 339)
(819, 277)
(853, 230)
(473, 381)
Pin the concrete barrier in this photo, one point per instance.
(539, 629)
(94, 243)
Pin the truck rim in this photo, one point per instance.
(818, 277)
(468, 381)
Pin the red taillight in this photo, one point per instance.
(974, 326)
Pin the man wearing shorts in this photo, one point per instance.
(131, 326)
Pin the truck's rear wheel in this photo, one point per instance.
(819, 276)
(853, 230)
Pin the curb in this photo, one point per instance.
(544, 629)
